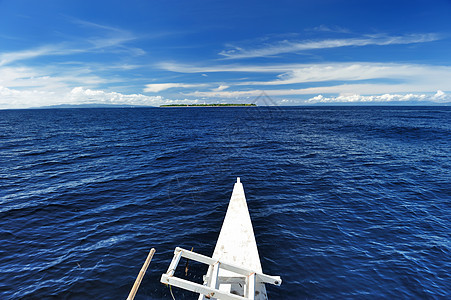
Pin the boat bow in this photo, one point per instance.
(234, 270)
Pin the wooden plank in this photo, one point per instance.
(141, 273)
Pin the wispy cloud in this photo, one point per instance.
(107, 38)
(10, 57)
(287, 46)
(436, 77)
(66, 49)
(158, 87)
(92, 25)
(356, 71)
(330, 28)
(204, 69)
(49, 78)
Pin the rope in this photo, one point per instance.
(170, 289)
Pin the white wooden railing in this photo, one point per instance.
(210, 290)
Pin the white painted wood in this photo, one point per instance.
(175, 261)
(199, 288)
(236, 242)
(214, 276)
(239, 272)
(251, 286)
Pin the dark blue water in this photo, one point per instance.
(346, 202)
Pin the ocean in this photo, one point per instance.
(346, 202)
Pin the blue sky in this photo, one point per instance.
(158, 52)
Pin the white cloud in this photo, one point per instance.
(158, 87)
(297, 46)
(438, 97)
(15, 98)
(221, 88)
(441, 96)
(12, 98)
(81, 95)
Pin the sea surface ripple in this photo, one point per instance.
(346, 202)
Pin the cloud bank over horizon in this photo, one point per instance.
(10, 98)
(438, 97)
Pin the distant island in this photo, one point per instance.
(208, 105)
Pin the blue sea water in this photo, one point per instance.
(346, 202)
